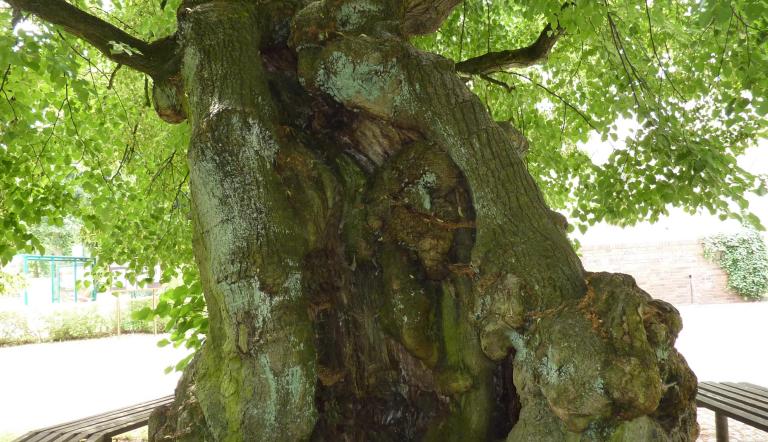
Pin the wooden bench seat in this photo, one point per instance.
(744, 402)
(99, 428)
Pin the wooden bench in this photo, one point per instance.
(744, 402)
(99, 428)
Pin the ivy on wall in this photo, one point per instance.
(744, 258)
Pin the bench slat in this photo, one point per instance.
(117, 426)
(55, 433)
(757, 387)
(752, 400)
(734, 403)
(733, 409)
(752, 388)
(757, 396)
(103, 416)
(106, 433)
(739, 415)
(114, 422)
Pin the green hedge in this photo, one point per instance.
(70, 323)
(66, 325)
(15, 329)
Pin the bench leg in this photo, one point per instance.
(721, 427)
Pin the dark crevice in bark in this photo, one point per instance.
(381, 376)
(506, 411)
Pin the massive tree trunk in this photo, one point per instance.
(377, 262)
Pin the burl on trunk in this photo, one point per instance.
(377, 262)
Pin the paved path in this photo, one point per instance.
(726, 342)
(46, 384)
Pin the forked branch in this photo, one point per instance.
(531, 55)
(155, 59)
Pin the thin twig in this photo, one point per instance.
(746, 35)
(656, 54)
(503, 85)
(5, 94)
(178, 190)
(71, 112)
(617, 45)
(53, 129)
(559, 97)
(112, 76)
(5, 77)
(168, 162)
(725, 45)
(127, 152)
(562, 126)
(104, 74)
(741, 19)
(488, 25)
(117, 19)
(147, 100)
(461, 36)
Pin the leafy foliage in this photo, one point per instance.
(11, 284)
(744, 257)
(685, 77)
(80, 141)
(130, 324)
(55, 239)
(183, 309)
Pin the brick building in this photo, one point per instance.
(675, 271)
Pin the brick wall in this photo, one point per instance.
(673, 271)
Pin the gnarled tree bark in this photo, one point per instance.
(377, 262)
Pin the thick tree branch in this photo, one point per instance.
(156, 58)
(425, 16)
(536, 53)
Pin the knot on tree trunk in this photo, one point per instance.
(168, 99)
(606, 365)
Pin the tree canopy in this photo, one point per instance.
(79, 136)
(685, 76)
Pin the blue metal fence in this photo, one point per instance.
(56, 262)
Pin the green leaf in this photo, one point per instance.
(754, 221)
(144, 314)
(182, 364)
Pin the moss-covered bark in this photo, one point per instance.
(377, 262)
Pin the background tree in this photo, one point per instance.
(376, 258)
